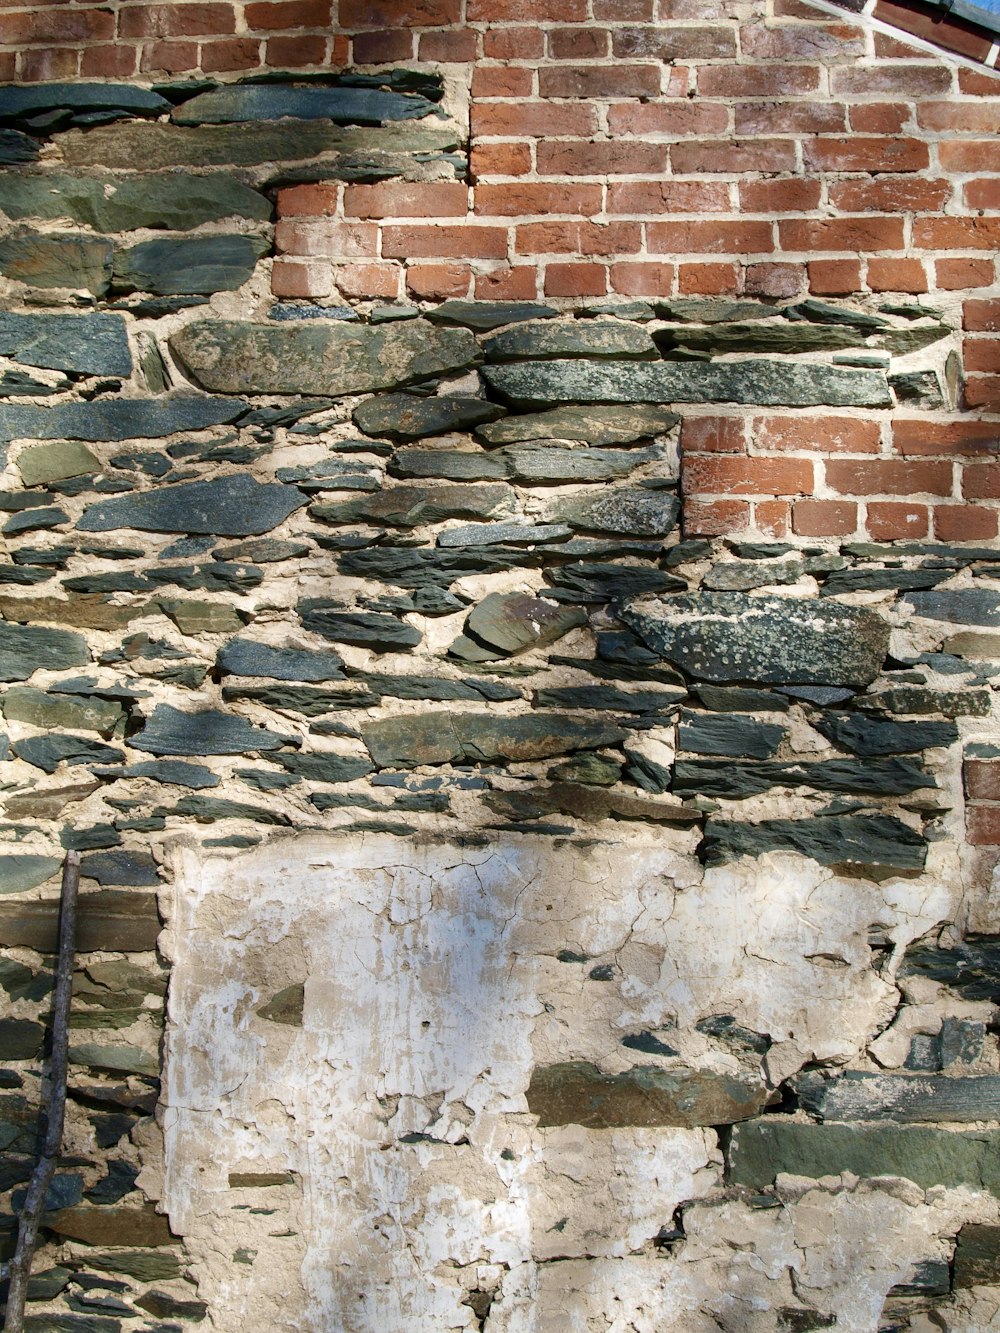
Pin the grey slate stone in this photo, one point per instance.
(903, 1098)
(411, 506)
(188, 266)
(276, 101)
(25, 649)
(243, 657)
(629, 511)
(24, 703)
(118, 418)
(585, 581)
(307, 700)
(402, 416)
(609, 699)
(880, 841)
(977, 1256)
(504, 534)
(20, 873)
(20, 1038)
(230, 506)
(48, 752)
(450, 464)
(17, 101)
(367, 629)
(41, 464)
(483, 316)
(324, 767)
(511, 622)
(571, 338)
(769, 383)
(450, 737)
(730, 637)
(323, 357)
(135, 870)
(76, 261)
(971, 967)
(107, 919)
(34, 520)
(732, 734)
(596, 424)
(172, 731)
(534, 463)
(777, 337)
(960, 606)
(173, 771)
(867, 736)
(331, 474)
(16, 148)
(173, 201)
(879, 777)
(84, 344)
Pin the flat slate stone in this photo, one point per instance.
(977, 1256)
(189, 266)
(512, 622)
(173, 771)
(774, 337)
(595, 424)
(16, 147)
(412, 506)
(172, 201)
(23, 703)
(107, 919)
(331, 474)
(197, 617)
(879, 777)
(367, 629)
(609, 699)
(867, 736)
(20, 1038)
(903, 1098)
(629, 511)
(343, 105)
(324, 767)
(172, 731)
(324, 357)
(450, 464)
(307, 700)
(959, 606)
(136, 870)
(731, 637)
(118, 418)
(586, 581)
(48, 752)
(20, 873)
(230, 506)
(571, 338)
(76, 261)
(755, 381)
(732, 734)
(84, 344)
(243, 657)
(450, 737)
(504, 534)
(762, 1149)
(25, 649)
(534, 463)
(849, 840)
(971, 967)
(19, 100)
(40, 464)
(401, 416)
(577, 1093)
(484, 316)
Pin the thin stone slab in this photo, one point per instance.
(731, 734)
(135, 870)
(118, 418)
(450, 464)
(632, 512)
(903, 1098)
(171, 731)
(19, 100)
(172, 771)
(597, 424)
(571, 338)
(84, 344)
(534, 463)
(958, 606)
(977, 1256)
(504, 534)
(484, 316)
(25, 649)
(971, 968)
(188, 266)
(880, 841)
(400, 416)
(758, 381)
(24, 703)
(732, 637)
(413, 506)
(172, 201)
(512, 622)
(230, 506)
(868, 736)
(878, 777)
(49, 751)
(319, 357)
(107, 919)
(18, 874)
(342, 105)
(449, 737)
(366, 629)
(76, 261)
(40, 464)
(16, 148)
(243, 657)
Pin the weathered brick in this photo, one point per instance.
(982, 823)
(676, 118)
(641, 279)
(816, 434)
(937, 234)
(824, 518)
(708, 279)
(187, 20)
(787, 117)
(981, 316)
(896, 275)
(785, 280)
(853, 234)
(758, 80)
(718, 237)
(982, 779)
(981, 354)
(668, 196)
(518, 283)
(282, 15)
(378, 48)
(582, 43)
(964, 523)
(969, 155)
(715, 518)
(390, 14)
(981, 481)
(888, 477)
(600, 158)
(327, 238)
(53, 27)
(295, 52)
(531, 120)
(514, 43)
(582, 238)
(537, 197)
(109, 62)
(713, 435)
(310, 201)
(369, 281)
(575, 280)
(890, 194)
(613, 80)
(732, 156)
(725, 475)
(500, 80)
(170, 57)
(410, 199)
(451, 242)
(889, 522)
(235, 54)
(879, 117)
(834, 277)
(772, 517)
(673, 42)
(827, 42)
(456, 47)
(438, 282)
(301, 278)
(499, 159)
(793, 194)
(917, 436)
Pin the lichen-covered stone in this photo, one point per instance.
(577, 1093)
(593, 424)
(187, 266)
(318, 356)
(84, 344)
(75, 261)
(448, 737)
(341, 104)
(232, 506)
(172, 731)
(401, 416)
(879, 841)
(725, 637)
(630, 511)
(571, 338)
(512, 622)
(117, 418)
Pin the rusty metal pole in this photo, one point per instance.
(34, 1204)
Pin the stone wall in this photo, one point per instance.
(579, 885)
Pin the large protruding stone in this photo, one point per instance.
(189, 265)
(442, 738)
(770, 640)
(324, 357)
(596, 424)
(173, 731)
(231, 506)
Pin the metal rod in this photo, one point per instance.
(34, 1204)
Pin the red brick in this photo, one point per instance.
(687, 10)
(369, 281)
(438, 282)
(613, 80)
(981, 354)
(526, 11)
(578, 238)
(452, 242)
(673, 42)
(772, 517)
(982, 825)
(109, 62)
(713, 435)
(641, 279)
(821, 434)
(668, 196)
(576, 280)
(407, 199)
(53, 27)
(888, 522)
(48, 64)
(238, 53)
(980, 82)
(708, 279)
(824, 518)
(327, 239)
(982, 779)
(391, 14)
(584, 43)
(716, 518)
(981, 481)
(976, 155)
(725, 475)
(725, 238)
(917, 79)
(963, 116)
(917, 436)
(981, 316)
(896, 275)
(8, 66)
(514, 120)
(888, 477)
(513, 43)
(604, 157)
(954, 274)
(984, 193)
(795, 42)
(171, 57)
(758, 80)
(187, 20)
(964, 523)
(865, 153)
(733, 157)
(930, 25)
(500, 80)
(794, 194)
(294, 52)
(938, 234)
(301, 278)
(537, 197)
(500, 159)
(983, 391)
(459, 47)
(378, 48)
(790, 117)
(834, 277)
(890, 194)
(879, 117)
(773, 279)
(675, 118)
(340, 53)
(853, 234)
(307, 201)
(282, 15)
(623, 11)
(508, 284)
